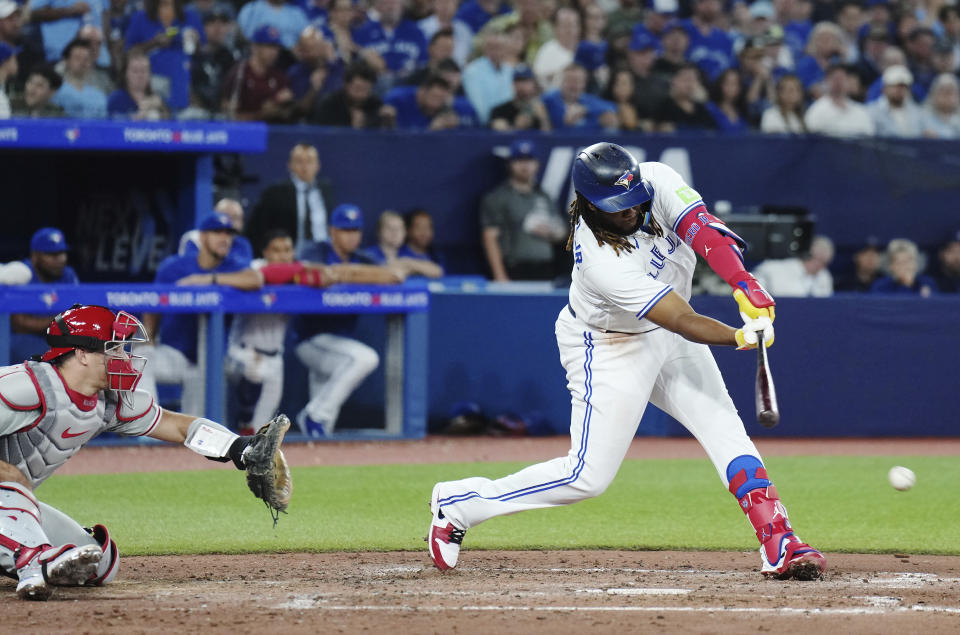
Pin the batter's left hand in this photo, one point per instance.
(747, 336)
(753, 300)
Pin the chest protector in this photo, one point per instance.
(61, 427)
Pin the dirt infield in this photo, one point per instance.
(493, 592)
(501, 592)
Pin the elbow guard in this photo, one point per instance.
(281, 273)
(708, 236)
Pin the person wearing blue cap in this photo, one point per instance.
(521, 225)
(337, 362)
(526, 110)
(255, 89)
(48, 265)
(170, 35)
(286, 17)
(173, 360)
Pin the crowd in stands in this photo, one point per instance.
(834, 67)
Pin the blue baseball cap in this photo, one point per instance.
(522, 149)
(267, 35)
(217, 222)
(522, 71)
(644, 41)
(346, 216)
(48, 240)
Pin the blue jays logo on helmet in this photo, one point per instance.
(609, 177)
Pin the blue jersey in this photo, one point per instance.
(241, 250)
(308, 325)
(712, 53)
(168, 61)
(376, 254)
(595, 106)
(475, 17)
(180, 330)
(69, 276)
(404, 49)
(409, 115)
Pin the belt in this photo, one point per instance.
(574, 314)
(262, 351)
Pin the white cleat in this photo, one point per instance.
(443, 538)
(73, 566)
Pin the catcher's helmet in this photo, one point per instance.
(98, 329)
(609, 177)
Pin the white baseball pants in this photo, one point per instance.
(611, 378)
(337, 366)
(258, 368)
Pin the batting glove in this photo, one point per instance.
(747, 336)
(753, 300)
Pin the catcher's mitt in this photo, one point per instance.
(268, 475)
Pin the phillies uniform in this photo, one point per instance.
(42, 424)
(617, 362)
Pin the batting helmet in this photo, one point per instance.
(609, 177)
(98, 329)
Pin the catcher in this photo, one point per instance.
(49, 408)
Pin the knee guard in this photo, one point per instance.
(109, 564)
(20, 529)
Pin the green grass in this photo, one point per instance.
(836, 503)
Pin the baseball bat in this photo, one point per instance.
(768, 413)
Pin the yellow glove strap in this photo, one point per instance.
(748, 309)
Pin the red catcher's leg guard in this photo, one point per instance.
(784, 554)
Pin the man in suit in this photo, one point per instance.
(297, 204)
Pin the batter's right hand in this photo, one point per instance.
(747, 336)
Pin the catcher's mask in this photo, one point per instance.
(100, 330)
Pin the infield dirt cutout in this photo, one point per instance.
(495, 591)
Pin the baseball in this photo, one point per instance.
(902, 478)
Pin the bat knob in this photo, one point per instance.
(768, 418)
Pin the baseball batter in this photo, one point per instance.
(84, 384)
(628, 337)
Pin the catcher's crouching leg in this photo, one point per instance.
(65, 530)
(110, 562)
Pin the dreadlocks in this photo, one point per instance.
(581, 208)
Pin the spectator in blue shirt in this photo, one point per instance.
(424, 107)
(173, 356)
(398, 41)
(824, 48)
(288, 19)
(76, 95)
(135, 99)
(728, 105)
(711, 47)
(476, 13)
(488, 80)
(48, 265)
(905, 277)
(60, 22)
(570, 107)
(170, 35)
(318, 71)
